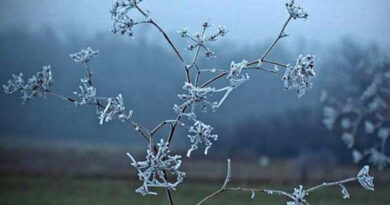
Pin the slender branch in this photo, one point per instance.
(331, 184)
(162, 31)
(277, 39)
(170, 42)
(162, 124)
(275, 63)
(143, 131)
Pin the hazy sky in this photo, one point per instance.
(248, 21)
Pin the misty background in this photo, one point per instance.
(258, 119)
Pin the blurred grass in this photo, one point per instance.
(16, 190)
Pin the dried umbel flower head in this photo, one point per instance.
(298, 77)
(295, 11)
(84, 56)
(122, 23)
(35, 87)
(195, 96)
(153, 170)
(299, 196)
(200, 40)
(199, 133)
(87, 93)
(114, 109)
(365, 179)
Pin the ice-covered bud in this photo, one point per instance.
(299, 77)
(84, 56)
(295, 11)
(200, 133)
(152, 171)
(15, 84)
(365, 179)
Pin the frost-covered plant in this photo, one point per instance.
(363, 122)
(200, 93)
(153, 170)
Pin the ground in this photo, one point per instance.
(16, 190)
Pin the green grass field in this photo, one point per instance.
(16, 190)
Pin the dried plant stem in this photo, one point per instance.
(168, 39)
(332, 184)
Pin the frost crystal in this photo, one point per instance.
(299, 196)
(299, 77)
(153, 170)
(113, 110)
(365, 179)
(87, 93)
(295, 11)
(123, 24)
(84, 55)
(199, 133)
